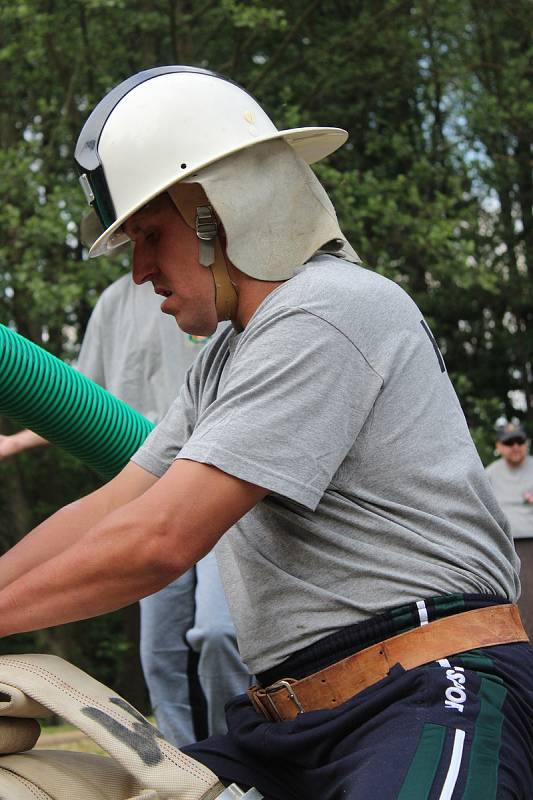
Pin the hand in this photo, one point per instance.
(528, 497)
(18, 442)
(7, 447)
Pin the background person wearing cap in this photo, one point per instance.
(294, 450)
(511, 478)
(187, 637)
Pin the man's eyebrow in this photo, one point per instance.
(130, 226)
(141, 213)
(137, 219)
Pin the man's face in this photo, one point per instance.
(165, 252)
(514, 451)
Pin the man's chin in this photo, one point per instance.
(194, 328)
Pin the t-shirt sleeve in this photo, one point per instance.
(295, 398)
(90, 361)
(160, 448)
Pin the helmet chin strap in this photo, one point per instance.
(191, 202)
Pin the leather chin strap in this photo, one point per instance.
(188, 197)
(225, 295)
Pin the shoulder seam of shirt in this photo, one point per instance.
(331, 325)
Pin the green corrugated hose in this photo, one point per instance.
(42, 393)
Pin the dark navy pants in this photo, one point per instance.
(457, 729)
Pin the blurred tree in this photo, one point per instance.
(496, 100)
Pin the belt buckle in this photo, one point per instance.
(284, 684)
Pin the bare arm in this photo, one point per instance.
(132, 551)
(71, 523)
(18, 442)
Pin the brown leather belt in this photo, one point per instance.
(328, 688)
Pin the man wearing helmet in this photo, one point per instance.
(355, 570)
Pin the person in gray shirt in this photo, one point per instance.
(364, 572)
(511, 478)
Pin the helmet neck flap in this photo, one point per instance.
(275, 212)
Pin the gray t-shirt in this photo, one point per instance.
(134, 350)
(336, 399)
(509, 485)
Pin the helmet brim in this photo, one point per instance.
(311, 144)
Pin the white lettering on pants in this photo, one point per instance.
(455, 694)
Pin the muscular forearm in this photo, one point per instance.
(132, 551)
(107, 568)
(67, 526)
(53, 536)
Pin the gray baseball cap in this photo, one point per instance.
(511, 431)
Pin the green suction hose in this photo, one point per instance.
(40, 392)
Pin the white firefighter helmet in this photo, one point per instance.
(165, 124)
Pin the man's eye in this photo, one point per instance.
(151, 236)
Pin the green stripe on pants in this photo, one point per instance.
(421, 775)
(484, 763)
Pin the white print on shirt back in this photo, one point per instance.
(455, 694)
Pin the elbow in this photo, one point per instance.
(163, 567)
(160, 551)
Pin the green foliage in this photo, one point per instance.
(434, 188)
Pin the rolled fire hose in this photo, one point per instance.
(140, 765)
(41, 392)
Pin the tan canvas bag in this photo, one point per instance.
(141, 764)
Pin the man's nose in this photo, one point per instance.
(141, 269)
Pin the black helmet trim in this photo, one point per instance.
(92, 176)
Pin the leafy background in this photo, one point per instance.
(434, 190)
